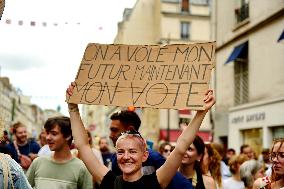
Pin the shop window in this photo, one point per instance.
(278, 132)
(253, 137)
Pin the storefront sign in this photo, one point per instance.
(260, 116)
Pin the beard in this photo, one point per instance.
(104, 149)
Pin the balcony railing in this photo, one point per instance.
(242, 13)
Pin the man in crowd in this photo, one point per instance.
(21, 146)
(126, 120)
(61, 169)
(247, 150)
(104, 148)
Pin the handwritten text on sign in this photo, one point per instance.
(172, 76)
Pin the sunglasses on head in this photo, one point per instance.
(131, 132)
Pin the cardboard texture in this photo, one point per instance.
(173, 76)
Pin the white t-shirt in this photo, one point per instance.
(231, 183)
(44, 151)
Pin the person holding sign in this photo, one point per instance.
(131, 153)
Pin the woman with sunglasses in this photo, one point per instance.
(131, 152)
(165, 149)
(276, 180)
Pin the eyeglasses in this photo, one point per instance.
(278, 155)
(166, 150)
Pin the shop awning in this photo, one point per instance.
(281, 37)
(237, 52)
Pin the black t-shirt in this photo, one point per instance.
(110, 181)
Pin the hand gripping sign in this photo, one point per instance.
(172, 76)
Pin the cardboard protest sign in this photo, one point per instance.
(172, 76)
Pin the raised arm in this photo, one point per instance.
(166, 172)
(96, 168)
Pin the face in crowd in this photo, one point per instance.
(248, 152)
(194, 152)
(21, 134)
(277, 157)
(131, 153)
(167, 151)
(55, 139)
(121, 122)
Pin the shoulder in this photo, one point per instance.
(79, 164)
(33, 143)
(10, 146)
(208, 181)
(14, 166)
(261, 182)
(39, 160)
(155, 156)
(108, 180)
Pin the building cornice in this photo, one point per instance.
(187, 15)
(256, 104)
(250, 29)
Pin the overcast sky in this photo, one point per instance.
(42, 60)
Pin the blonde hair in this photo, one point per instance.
(131, 134)
(236, 161)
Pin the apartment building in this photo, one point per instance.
(249, 82)
(166, 22)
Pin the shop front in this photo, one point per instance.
(256, 124)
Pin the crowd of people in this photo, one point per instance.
(65, 156)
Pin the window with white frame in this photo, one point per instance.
(184, 30)
(241, 80)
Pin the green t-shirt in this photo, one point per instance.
(45, 173)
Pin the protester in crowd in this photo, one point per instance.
(11, 173)
(44, 151)
(190, 166)
(235, 181)
(21, 149)
(247, 150)
(165, 149)
(61, 170)
(131, 152)
(276, 180)
(97, 152)
(230, 153)
(3, 143)
(105, 151)
(125, 120)
(211, 164)
(250, 171)
(225, 171)
(264, 159)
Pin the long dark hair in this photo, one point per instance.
(200, 147)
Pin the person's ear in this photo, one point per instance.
(145, 155)
(68, 138)
(130, 127)
(199, 157)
